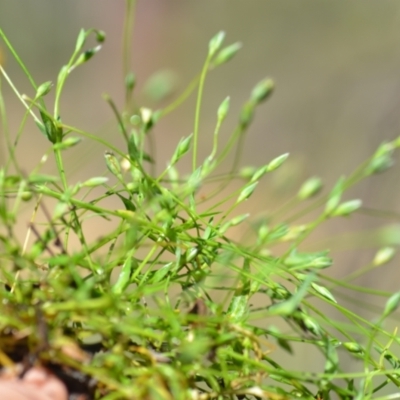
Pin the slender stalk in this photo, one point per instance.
(18, 59)
(130, 8)
(182, 98)
(197, 111)
(127, 35)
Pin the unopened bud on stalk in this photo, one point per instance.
(215, 43)
(130, 81)
(246, 114)
(43, 89)
(262, 91)
(226, 54)
(112, 163)
(310, 188)
(223, 109)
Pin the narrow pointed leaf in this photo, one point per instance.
(125, 274)
(288, 307)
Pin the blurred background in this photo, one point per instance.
(336, 65)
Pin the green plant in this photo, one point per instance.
(165, 296)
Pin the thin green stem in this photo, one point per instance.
(3, 117)
(60, 167)
(114, 108)
(181, 99)
(9, 81)
(18, 59)
(197, 111)
(127, 35)
(228, 147)
(339, 283)
(130, 8)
